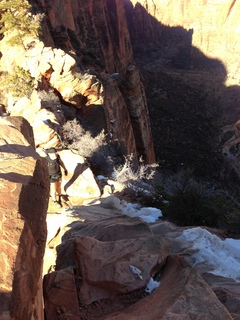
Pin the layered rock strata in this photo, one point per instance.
(24, 194)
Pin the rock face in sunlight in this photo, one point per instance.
(86, 57)
(80, 181)
(24, 192)
(46, 120)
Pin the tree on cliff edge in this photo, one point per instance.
(17, 21)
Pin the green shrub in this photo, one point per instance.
(18, 21)
(19, 83)
(192, 208)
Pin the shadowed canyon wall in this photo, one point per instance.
(188, 55)
(95, 35)
(213, 25)
(195, 43)
(97, 32)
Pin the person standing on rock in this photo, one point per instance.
(55, 175)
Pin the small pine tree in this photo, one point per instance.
(17, 21)
(19, 83)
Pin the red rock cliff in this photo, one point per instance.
(97, 32)
(24, 193)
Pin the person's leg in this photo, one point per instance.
(61, 189)
(63, 197)
(53, 193)
(53, 190)
(58, 187)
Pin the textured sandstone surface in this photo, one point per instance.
(106, 271)
(182, 294)
(80, 181)
(24, 189)
(95, 244)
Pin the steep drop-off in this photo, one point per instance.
(188, 55)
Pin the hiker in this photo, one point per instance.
(55, 175)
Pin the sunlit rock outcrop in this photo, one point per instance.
(80, 181)
(46, 120)
(79, 57)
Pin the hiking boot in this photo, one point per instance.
(57, 204)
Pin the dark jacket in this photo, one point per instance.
(54, 169)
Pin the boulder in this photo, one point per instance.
(22, 125)
(45, 119)
(57, 303)
(80, 181)
(114, 267)
(182, 294)
(226, 289)
(99, 223)
(112, 255)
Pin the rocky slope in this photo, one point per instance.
(91, 56)
(95, 248)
